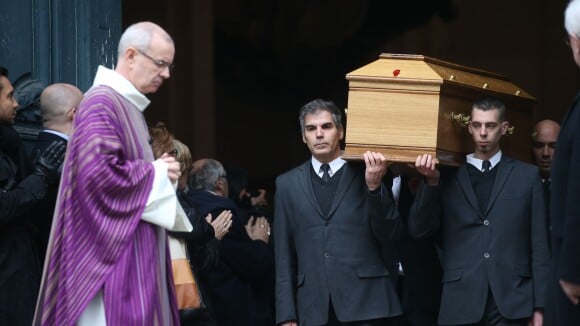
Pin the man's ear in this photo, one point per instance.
(71, 113)
(341, 133)
(303, 138)
(504, 127)
(130, 54)
(219, 184)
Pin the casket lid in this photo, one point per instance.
(401, 70)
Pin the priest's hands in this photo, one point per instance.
(173, 167)
(376, 168)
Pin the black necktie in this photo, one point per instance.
(325, 175)
(486, 165)
(546, 186)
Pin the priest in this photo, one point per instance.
(107, 261)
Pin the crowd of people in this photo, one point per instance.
(86, 216)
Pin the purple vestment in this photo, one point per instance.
(98, 240)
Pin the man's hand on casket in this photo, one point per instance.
(425, 164)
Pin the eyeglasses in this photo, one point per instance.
(159, 63)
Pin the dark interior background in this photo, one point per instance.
(244, 67)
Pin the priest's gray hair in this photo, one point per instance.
(139, 35)
(572, 18)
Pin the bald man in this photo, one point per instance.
(58, 104)
(544, 140)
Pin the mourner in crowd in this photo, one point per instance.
(234, 285)
(544, 139)
(22, 187)
(58, 104)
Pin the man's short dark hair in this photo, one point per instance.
(3, 72)
(320, 105)
(490, 103)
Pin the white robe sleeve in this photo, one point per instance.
(162, 207)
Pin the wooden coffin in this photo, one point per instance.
(405, 105)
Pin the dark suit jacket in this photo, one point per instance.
(44, 212)
(565, 214)
(421, 289)
(20, 272)
(504, 249)
(335, 256)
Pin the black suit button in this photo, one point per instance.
(326, 255)
(325, 223)
(486, 255)
(486, 222)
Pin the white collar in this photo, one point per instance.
(335, 165)
(58, 133)
(121, 85)
(494, 160)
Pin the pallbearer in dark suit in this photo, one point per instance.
(564, 300)
(331, 217)
(490, 215)
(544, 140)
(58, 104)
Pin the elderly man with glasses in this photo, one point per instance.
(107, 261)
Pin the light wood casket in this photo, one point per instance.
(406, 105)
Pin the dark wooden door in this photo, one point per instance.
(54, 41)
